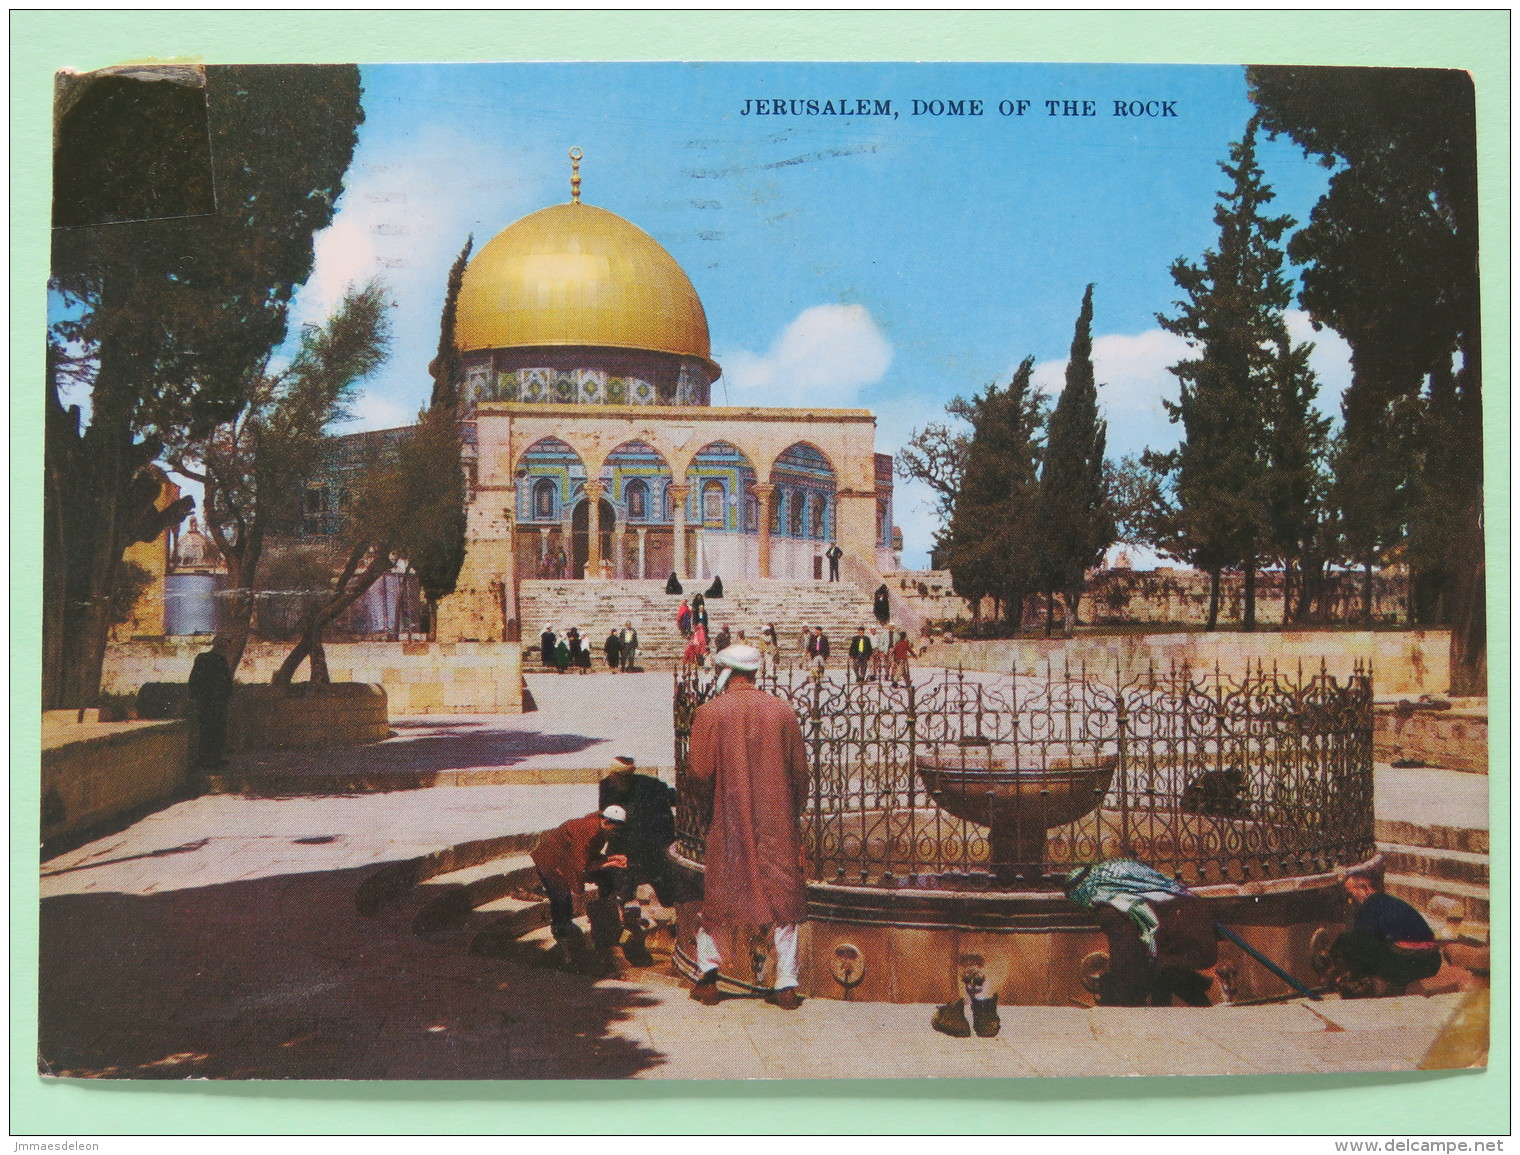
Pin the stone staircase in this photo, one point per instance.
(486, 897)
(596, 606)
(1436, 857)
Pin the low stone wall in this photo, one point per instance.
(307, 716)
(418, 677)
(96, 771)
(1456, 739)
(1404, 662)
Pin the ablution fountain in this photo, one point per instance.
(944, 816)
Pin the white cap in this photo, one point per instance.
(615, 814)
(745, 659)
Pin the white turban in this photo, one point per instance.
(741, 658)
(745, 659)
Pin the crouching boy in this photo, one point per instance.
(569, 856)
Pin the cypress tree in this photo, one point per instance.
(1233, 317)
(1074, 513)
(992, 547)
(1295, 485)
(437, 556)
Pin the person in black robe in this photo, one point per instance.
(613, 648)
(546, 644)
(881, 604)
(673, 584)
(210, 693)
(716, 589)
(645, 840)
(699, 612)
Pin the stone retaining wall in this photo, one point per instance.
(1403, 662)
(307, 716)
(1456, 739)
(418, 677)
(95, 771)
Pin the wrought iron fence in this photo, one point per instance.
(964, 780)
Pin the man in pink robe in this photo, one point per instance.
(748, 756)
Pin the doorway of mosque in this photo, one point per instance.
(580, 534)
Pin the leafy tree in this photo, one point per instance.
(1392, 265)
(365, 548)
(1142, 506)
(255, 466)
(392, 514)
(936, 455)
(992, 546)
(1233, 318)
(1074, 514)
(164, 325)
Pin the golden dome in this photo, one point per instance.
(574, 274)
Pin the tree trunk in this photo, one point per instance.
(1050, 612)
(1070, 600)
(1213, 622)
(310, 644)
(1248, 619)
(1469, 626)
(1287, 593)
(1367, 594)
(1015, 608)
(319, 674)
(93, 541)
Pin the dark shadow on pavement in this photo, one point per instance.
(461, 747)
(280, 978)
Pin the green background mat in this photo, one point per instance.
(1451, 1103)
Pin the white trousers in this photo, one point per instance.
(784, 935)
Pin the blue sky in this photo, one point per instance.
(883, 262)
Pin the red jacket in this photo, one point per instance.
(572, 850)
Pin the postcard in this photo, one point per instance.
(687, 571)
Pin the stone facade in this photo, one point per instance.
(1125, 597)
(740, 535)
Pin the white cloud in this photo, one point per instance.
(1331, 360)
(825, 356)
(404, 214)
(372, 411)
(1133, 375)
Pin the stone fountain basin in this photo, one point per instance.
(978, 784)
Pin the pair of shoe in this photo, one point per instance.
(705, 991)
(786, 998)
(950, 1019)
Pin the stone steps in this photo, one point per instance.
(1425, 893)
(1432, 837)
(1435, 855)
(596, 606)
(1437, 865)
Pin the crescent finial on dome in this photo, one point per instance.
(575, 175)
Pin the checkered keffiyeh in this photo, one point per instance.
(1127, 886)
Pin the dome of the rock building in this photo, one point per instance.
(577, 275)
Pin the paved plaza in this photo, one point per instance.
(220, 938)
